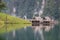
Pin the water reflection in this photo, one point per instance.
(28, 34)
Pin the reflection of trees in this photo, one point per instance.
(1, 38)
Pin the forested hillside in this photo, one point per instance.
(23, 7)
(52, 9)
(26, 7)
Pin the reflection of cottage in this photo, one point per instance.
(45, 21)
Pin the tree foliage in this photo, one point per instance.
(52, 8)
(2, 5)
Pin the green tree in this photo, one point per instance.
(2, 5)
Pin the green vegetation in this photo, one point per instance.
(1, 38)
(2, 5)
(9, 23)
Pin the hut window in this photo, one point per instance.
(46, 23)
(35, 23)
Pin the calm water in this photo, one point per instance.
(28, 34)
